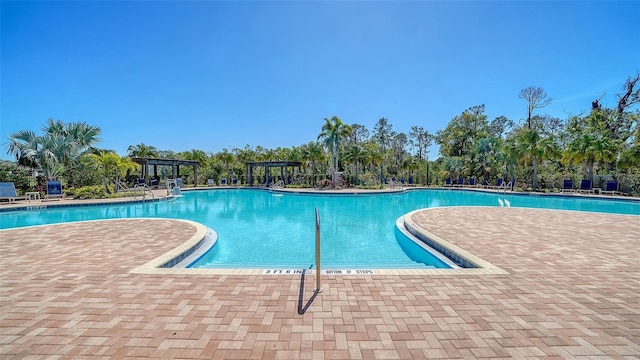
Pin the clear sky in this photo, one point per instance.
(209, 75)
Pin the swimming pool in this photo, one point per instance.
(262, 229)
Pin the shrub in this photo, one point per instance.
(19, 177)
(81, 176)
(88, 192)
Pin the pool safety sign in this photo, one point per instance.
(312, 272)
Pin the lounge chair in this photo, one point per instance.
(410, 182)
(460, 182)
(8, 192)
(234, 182)
(447, 182)
(585, 186)
(472, 182)
(223, 181)
(54, 190)
(567, 186)
(210, 182)
(611, 188)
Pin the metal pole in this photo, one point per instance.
(318, 288)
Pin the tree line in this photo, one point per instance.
(538, 152)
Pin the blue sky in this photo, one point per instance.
(211, 75)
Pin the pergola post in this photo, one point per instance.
(283, 165)
(195, 175)
(174, 163)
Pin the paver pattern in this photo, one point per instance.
(572, 291)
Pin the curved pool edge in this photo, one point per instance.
(184, 254)
(466, 260)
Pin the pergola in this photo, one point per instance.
(283, 165)
(174, 163)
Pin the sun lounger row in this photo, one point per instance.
(586, 187)
(499, 184)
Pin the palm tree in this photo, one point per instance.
(451, 167)
(105, 163)
(123, 166)
(142, 150)
(36, 151)
(333, 131)
(355, 154)
(312, 152)
(487, 151)
(591, 148)
(226, 158)
(23, 145)
(412, 164)
(195, 155)
(59, 146)
(74, 139)
(374, 155)
(532, 146)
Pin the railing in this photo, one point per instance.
(318, 288)
(506, 186)
(145, 189)
(395, 185)
(138, 190)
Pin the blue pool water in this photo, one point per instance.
(259, 229)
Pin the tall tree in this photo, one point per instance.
(399, 145)
(533, 147)
(312, 153)
(458, 137)
(630, 94)
(359, 134)
(373, 156)
(355, 154)
(332, 133)
(499, 127)
(591, 148)
(383, 134)
(226, 158)
(536, 98)
(421, 140)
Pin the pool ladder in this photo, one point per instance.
(318, 288)
(143, 189)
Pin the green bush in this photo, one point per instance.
(88, 192)
(21, 178)
(81, 176)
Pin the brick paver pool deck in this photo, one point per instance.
(571, 290)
